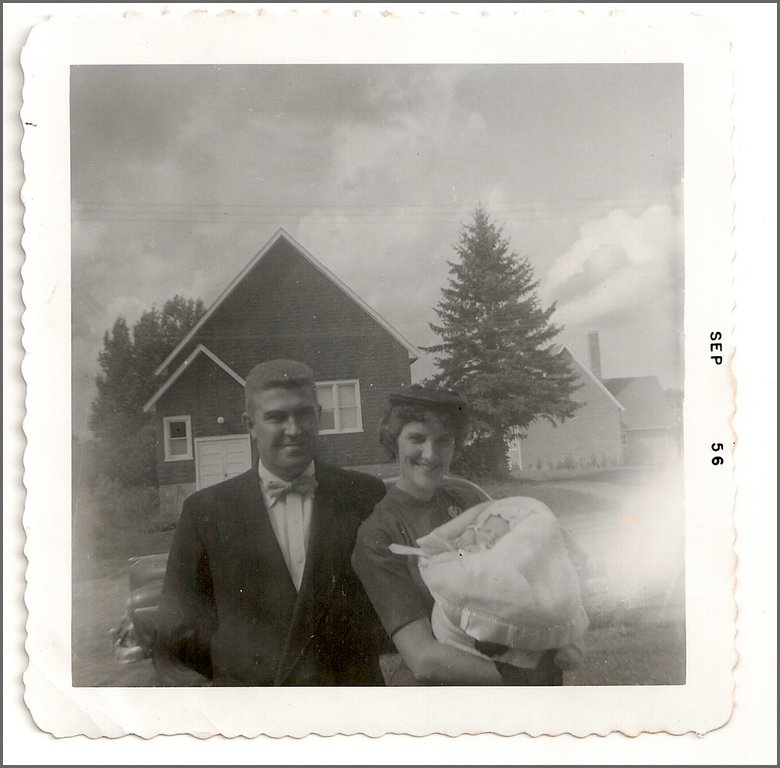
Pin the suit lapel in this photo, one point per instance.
(259, 537)
(329, 550)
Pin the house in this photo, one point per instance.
(629, 421)
(284, 303)
(591, 438)
(649, 426)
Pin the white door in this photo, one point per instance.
(219, 458)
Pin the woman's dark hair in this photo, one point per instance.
(398, 415)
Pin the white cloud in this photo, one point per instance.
(130, 307)
(623, 278)
(620, 265)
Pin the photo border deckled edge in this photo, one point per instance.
(37, 197)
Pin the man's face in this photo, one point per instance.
(284, 424)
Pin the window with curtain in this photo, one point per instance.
(340, 403)
(178, 438)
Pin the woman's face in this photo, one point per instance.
(425, 450)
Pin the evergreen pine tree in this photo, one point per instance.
(497, 342)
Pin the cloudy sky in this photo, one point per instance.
(180, 174)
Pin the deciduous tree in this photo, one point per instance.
(124, 434)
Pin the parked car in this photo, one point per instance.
(134, 637)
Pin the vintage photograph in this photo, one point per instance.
(377, 374)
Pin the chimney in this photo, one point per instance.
(595, 354)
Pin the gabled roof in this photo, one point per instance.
(617, 385)
(592, 376)
(414, 353)
(647, 406)
(200, 349)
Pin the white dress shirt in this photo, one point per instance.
(290, 517)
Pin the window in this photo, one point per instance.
(340, 402)
(177, 433)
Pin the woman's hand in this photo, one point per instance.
(433, 662)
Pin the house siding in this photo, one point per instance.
(284, 307)
(649, 447)
(385, 370)
(650, 426)
(646, 405)
(204, 392)
(591, 438)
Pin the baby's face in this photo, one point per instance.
(466, 539)
(491, 531)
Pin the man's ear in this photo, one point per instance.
(248, 423)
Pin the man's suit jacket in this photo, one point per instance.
(229, 608)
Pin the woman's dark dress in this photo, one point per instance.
(393, 582)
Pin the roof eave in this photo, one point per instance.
(168, 383)
(414, 352)
(595, 379)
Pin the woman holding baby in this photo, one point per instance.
(423, 429)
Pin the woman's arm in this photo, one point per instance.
(405, 613)
(433, 662)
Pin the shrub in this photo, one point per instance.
(124, 508)
(567, 462)
(130, 459)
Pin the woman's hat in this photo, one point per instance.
(418, 394)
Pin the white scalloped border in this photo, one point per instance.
(62, 710)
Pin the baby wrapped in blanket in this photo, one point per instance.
(500, 573)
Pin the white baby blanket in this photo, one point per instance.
(522, 592)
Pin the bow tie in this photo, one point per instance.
(304, 485)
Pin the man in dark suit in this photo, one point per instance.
(259, 589)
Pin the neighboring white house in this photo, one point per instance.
(591, 438)
(622, 421)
